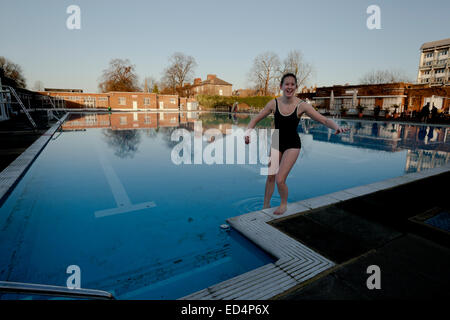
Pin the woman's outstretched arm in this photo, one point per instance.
(261, 115)
(313, 114)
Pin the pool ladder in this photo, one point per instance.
(57, 291)
(10, 90)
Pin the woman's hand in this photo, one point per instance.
(247, 136)
(341, 130)
(264, 113)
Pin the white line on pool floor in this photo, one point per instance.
(123, 202)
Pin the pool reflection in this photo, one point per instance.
(427, 146)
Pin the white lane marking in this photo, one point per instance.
(123, 202)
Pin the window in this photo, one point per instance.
(172, 100)
(102, 99)
(122, 101)
(123, 120)
(389, 102)
(429, 55)
(347, 103)
(89, 102)
(320, 102)
(337, 103)
(146, 101)
(368, 102)
(91, 119)
(147, 119)
(220, 92)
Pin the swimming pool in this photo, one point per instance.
(105, 195)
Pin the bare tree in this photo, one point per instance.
(296, 64)
(169, 81)
(119, 76)
(12, 73)
(384, 76)
(149, 84)
(180, 70)
(265, 71)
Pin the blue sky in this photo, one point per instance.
(223, 36)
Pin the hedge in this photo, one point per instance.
(209, 101)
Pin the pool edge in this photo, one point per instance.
(12, 174)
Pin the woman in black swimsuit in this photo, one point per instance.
(286, 143)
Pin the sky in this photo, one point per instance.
(224, 37)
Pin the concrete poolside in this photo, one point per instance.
(385, 229)
(325, 244)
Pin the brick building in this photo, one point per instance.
(127, 120)
(120, 100)
(211, 86)
(407, 96)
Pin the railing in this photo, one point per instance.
(56, 291)
(438, 63)
(424, 66)
(11, 91)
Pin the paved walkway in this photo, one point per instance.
(386, 229)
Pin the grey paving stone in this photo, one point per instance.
(326, 288)
(401, 278)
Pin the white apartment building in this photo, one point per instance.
(434, 64)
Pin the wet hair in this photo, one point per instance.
(288, 75)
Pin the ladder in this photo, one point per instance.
(54, 107)
(57, 291)
(24, 109)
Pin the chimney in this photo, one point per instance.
(197, 81)
(211, 77)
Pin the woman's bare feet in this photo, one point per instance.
(281, 209)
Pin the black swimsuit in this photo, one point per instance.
(287, 130)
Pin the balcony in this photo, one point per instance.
(440, 63)
(437, 80)
(425, 67)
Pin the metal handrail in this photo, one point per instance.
(48, 290)
(11, 90)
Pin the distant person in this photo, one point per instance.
(422, 133)
(430, 133)
(287, 111)
(375, 129)
(425, 112)
(434, 112)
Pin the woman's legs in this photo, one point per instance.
(287, 162)
(274, 165)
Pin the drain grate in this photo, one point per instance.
(437, 218)
(440, 221)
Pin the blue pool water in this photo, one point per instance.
(105, 195)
